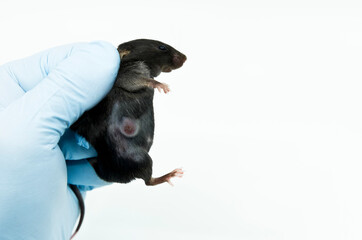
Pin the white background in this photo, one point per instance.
(265, 116)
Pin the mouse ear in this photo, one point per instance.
(123, 52)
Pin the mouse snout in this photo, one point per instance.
(129, 127)
(178, 60)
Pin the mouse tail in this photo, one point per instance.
(77, 193)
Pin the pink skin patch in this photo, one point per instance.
(129, 127)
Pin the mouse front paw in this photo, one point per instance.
(161, 86)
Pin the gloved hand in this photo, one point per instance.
(40, 97)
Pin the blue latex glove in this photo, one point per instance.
(40, 97)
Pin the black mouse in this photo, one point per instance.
(121, 126)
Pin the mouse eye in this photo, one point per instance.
(161, 47)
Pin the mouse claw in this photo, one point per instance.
(178, 172)
(169, 182)
(162, 86)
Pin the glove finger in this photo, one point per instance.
(19, 76)
(75, 85)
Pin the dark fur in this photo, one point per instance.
(123, 158)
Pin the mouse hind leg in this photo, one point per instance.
(165, 178)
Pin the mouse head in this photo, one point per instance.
(158, 56)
